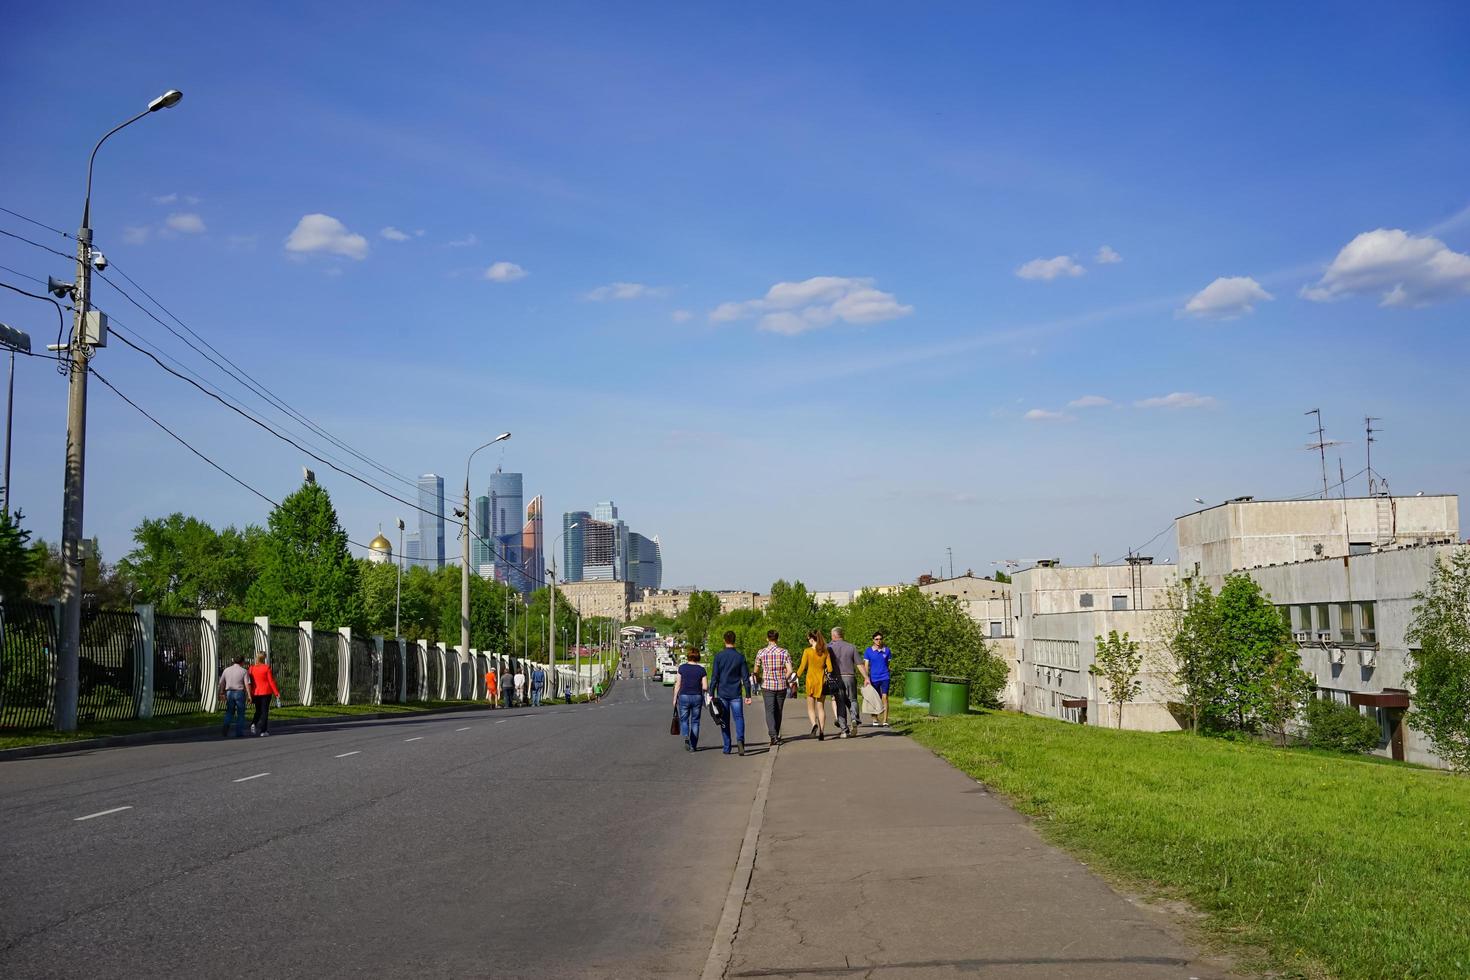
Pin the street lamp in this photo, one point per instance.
(551, 634)
(89, 329)
(398, 599)
(464, 572)
(13, 340)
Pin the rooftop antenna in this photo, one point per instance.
(1321, 446)
(950, 552)
(1368, 421)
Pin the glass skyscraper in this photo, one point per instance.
(431, 520)
(505, 517)
(573, 546)
(482, 554)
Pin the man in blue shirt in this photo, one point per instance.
(875, 670)
(730, 682)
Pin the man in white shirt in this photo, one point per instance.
(520, 683)
(234, 685)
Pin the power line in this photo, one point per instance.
(38, 224)
(44, 248)
(60, 316)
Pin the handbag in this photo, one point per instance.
(674, 723)
(830, 685)
(717, 711)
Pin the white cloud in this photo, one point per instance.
(465, 242)
(1226, 298)
(166, 199)
(394, 235)
(681, 316)
(505, 272)
(1044, 415)
(136, 234)
(1061, 265)
(1107, 256)
(324, 233)
(1408, 270)
(1178, 399)
(796, 307)
(625, 290)
(185, 222)
(1089, 401)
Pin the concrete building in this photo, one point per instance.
(667, 602)
(610, 599)
(989, 604)
(431, 520)
(1059, 613)
(840, 598)
(730, 601)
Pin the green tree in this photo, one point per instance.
(1186, 628)
(1001, 576)
(792, 612)
(1118, 662)
(1259, 678)
(1439, 660)
(182, 565)
(929, 631)
(1338, 726)
(16, 558)
(306, 571)
(488, 621)
(694, 622)
(102, 586)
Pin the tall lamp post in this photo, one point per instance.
(89, 329)
(551, 632)
(398, 597)
(464, 572)
(12, 340)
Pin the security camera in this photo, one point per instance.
(99, 261)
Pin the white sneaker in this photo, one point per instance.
(252, 728)
(264, 734)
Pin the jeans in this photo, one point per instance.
(535, 697)
(691, 706)
(847, 701)
(734, 712)
(508, 702)
(262, 719)
(775, 704)
(235, 705)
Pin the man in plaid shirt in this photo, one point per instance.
(774, 671)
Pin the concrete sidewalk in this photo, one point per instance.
(878, 859)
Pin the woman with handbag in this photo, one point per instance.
(689, 697)
(814, 670)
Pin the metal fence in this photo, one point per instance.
(392, 671)
(108, 673)
(285, 652)
(27, 664)
(326, 665)
(239, 640)
(362, 672)
(436, 674)
(178, 664)
(413, 672)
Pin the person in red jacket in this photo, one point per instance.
(262, 689)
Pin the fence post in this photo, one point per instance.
(344, 665)
(445, 682)
(307, 648)
(143, 663)
(422, 648)
(403, 671)
(263, 637)
(378, 673)
(209, 659)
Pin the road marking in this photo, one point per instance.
(103, 813)
(414, 739)
(346, 754)
(464, 729)
(502, 721)
(246, 779)
(722, 949)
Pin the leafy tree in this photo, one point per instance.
(1339, 726)
(488, 621)
(1439, 660)
(1186, 627)
(1001, 576)
(1118, 662)
(16, 559)
(694, 622)
(306, 571)
(929, 631)
(102, 586)
(1258, 679)
(182, 565)
(793, 612)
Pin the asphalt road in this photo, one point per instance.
(561, 842)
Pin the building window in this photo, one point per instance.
(1367, 622)
(1359, 547)
(1322, 617)
(995, 628)
(1120, 602)
(1085, 600)
(1346, 631)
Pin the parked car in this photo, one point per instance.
(671, 674)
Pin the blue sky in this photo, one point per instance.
(810, 290)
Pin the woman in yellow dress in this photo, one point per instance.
(816, 664)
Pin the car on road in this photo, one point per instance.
(671, 674)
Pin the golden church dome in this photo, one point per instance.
(381, 543)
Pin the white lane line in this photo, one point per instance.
(464, 729)
(502, 721)
(414, 739)
(103, 813)
(246, 779)
(346, 754)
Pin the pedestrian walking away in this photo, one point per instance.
(262, 689)
(691, 688)
(773, 670)
(538, 684)
(732, 690)
(234, 682)
(520, 682)
(492, 692)
(844, 665)
(876, 659)
(816, 665)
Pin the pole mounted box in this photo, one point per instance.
(94, 329)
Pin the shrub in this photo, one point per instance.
(1331, 725)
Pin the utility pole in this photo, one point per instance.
(469, 529)
(398, 598)
(89, 329)
(578, 643)
(14, 340)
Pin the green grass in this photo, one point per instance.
(1327, 864)
(201, 718)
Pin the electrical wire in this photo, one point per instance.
(44, 248)
(60, 316)
(38, 224)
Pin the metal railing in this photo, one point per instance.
(108, 674)
(178, 664)
(362, 671)
(413, 671)
(392, 672)
(326, 665)
(27, 664)
(285, 651)
(238, 639)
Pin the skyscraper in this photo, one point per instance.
(532, 555)
(605, 510)
(431, 520)
(482, 550)
(411, 547)
(573, 544)
(505, 519)
(645, 562)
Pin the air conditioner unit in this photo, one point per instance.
(1302, 636)
(1337, 654)
(1324, 636)
(1368, 658)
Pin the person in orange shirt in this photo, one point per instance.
(262, 689)
(490, 686)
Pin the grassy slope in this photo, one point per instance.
(1323, 859)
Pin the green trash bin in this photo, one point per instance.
(949, 696)
(916, 685)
